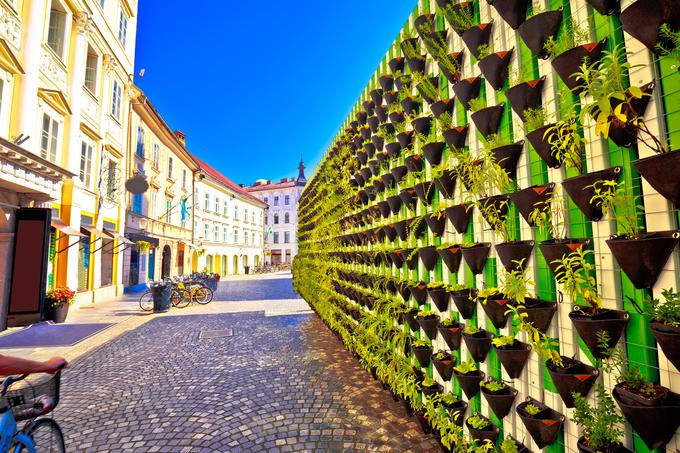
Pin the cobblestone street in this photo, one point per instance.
(281, 382)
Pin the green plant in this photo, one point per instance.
(573, 36)
(410, 49)
(531, 409)
(617, 363)
(534, 118)
(494, 385)
(548, 216)
(567, 142)
(515, 283)
(669, 44)
(143, 246)
(445, 121)
(448, 322)
(478, 422)
(425, 314)
(425, 85)
(496, 218)
(459, 18)
(500, 342)
(545, 347)
(429, 382)
(535, 10)
(509, 446)
(477, 104)
(611, 197)
(575, 273)
(448, 399)
(441, 355)
(471, 329)
(466, 367)
(668, 312)
(484, 51)
(599, 422)
(421, 344)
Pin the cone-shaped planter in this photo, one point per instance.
(643, 18)
(543, 431)
(526, 95)
(488, 119)
(373, 123)
(668, 338)
(375, 169)
(539, 312)
(470, 382)
(507, 157)
(416, 228)
(376, 96)
(568, 63)
(513, 358)
(414, 163)
(394, 203)
(581, 190)
(409, 197)
(381, 156)
(362, 157)
(391, 97)
(393, 149)
(495, 307)
(422, 125)
(444, 366)
(425, 191)
(531, 198)
(466, 301)
(536, 31)
(512, 253)
(390, 232)
(432, 81)
(412, 263)
(611, 321)
(574, 377)
(643, 259)
(490, 433)
(429, 325)
(386, 82)
(396, 64)
(451, 256)
(501, 401)
(495, 67)
(446, 183)
(424, 24)
(584, 448)
(554, 249)
(514, 12)
(433, 389)
(366, 173)
(662, 172)
(436, 222)
(452, 335)
(459, 216)
(542, 147)
(399, 172)
(411, 107)
(476, 36)
(475, 256)
(388, 181)
(456, 137)
(604, 7)
(467, 89)
(626, 136)
(405, 292)
(402, 231)
(419, 291)
(422, 354)
(440, 107)
(494, 206)
(456, 411)
(417, 63)
(440, 297)
(656, 425)
(384, 209)
(478, 344)
(396, 117)
(433, 152)
(405, 139)
(398, 260)
(455, 10)
(428, 255)
(409, 45)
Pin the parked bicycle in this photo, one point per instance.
(30, 400)
(185, 291)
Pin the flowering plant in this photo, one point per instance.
(60, 295)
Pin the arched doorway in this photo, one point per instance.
(165, 262)
(235, 270)
(180, 259)
(257, 260)
(225, 270)
(194, 262)
(218, 264)
(209, 263)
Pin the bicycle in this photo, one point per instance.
(29, 402)
(191, 292)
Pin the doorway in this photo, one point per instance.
(165, 262)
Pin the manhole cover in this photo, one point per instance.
(207, 334)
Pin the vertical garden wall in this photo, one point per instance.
(489, 230)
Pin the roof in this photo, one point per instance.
(219, 177)
(272, 186)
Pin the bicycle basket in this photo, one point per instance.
(23, 395)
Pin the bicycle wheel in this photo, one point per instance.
(46, 435)
(146, 301)
(203, 295)
(181, 298)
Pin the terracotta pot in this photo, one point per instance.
(662, 172)
(487, 120)
(536, 31)
(581, 190)
(494, 67)
(466, 301)
(611, 321)
(575, 377)
(475, 256)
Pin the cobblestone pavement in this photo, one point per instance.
(277, 287)
(280, 383)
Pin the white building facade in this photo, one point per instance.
(282, 217)
(228, 224)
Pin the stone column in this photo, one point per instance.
(81, 24)
(26, 87)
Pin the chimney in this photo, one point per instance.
(284, 179)
(181, 136)
(240, 185)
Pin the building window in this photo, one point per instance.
(276, 219)
(286, 200)
(245, 215)
(225, 211)
(254, 243)
(50, 138)
(91, 65)
(286, 237)
(57, 29)
(276, 237)
(196, 198)
(266, 200)
(140, 141)
(245, 237)
(112, 182)
(122, 28)
(225, 233)
(116, 99)
(184, 179)
(286, 218)
(276, 201)
(86, 164)
(216, 234)
(168, 211)
(169, 167)
(156, 152)
(235, 212)
(206, 231)
(206, 206)
(137, 203)
(235, 236)
(217, 205)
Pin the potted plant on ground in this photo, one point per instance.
(57, 302)
(600, 423)
(665, 325)
(499, 395)
(469, 377)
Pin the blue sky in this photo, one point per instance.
(256, 84)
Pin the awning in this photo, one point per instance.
(136, 237)
(118, 236)
(98, 233)
(189, 244)
(67, 230)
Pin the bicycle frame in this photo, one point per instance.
(11, 437)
